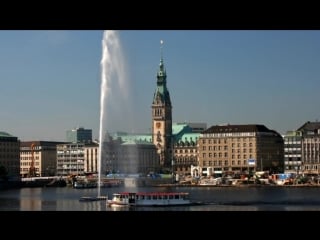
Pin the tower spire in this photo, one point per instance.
(162, 116)
(161, 45)
(162, 71)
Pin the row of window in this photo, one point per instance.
(9, 156)
(14, 144)
(226, 146)
(230, 134)
(29, 158)
(27, 169)
(311, 167)
(10, 150)
(28, 163)
(224, 163)
(292, 159)
(244, 150)
(312, 154)
(9, 163)
(210, 155)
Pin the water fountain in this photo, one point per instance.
(114, 89)
(112, 78)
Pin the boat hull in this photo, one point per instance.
(149, 199)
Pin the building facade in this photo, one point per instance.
(185, 153)
(129, 156)
(240, 149)
(91, 158)
(41, 154)
(10, 155)
(292, 152)
(310, 147)
(70, 159)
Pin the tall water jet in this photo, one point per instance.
(114, 88)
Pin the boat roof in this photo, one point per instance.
(152, 193)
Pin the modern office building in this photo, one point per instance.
(79, 135)
(70, 159)
(292, 152)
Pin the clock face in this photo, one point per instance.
(158, 124)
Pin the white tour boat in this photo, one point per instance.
(149, 199)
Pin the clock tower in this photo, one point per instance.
(162, 117)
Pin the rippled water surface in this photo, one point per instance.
(266, 198)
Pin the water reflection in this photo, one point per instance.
(30, 199)
(214, 199)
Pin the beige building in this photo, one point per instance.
(91, 152)
(44, 157)
(310, 153)
(9, 154)
(185, 153)
(310, 147)
(239, 149)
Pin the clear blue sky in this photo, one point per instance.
(50, 80)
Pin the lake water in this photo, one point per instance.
(265, 198)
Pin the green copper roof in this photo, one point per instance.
(178, 128)
(135, 142)
(180, 131)
(162, 94)
(128, 138)
(189, 137)
(4, 134)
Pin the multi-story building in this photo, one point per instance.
(185, 148)
(292, 152)
(91, 157)
(79, 135)
(10, 155)
(70, 159)
(125, 153)
(41, 154)
(310, 147)
(240, 148)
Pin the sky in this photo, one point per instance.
(51, 79)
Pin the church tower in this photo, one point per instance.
(162, 117)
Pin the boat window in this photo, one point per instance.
(170, 196)
(148, 197)
(154, 197)
(142, 197)
(176, 196)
